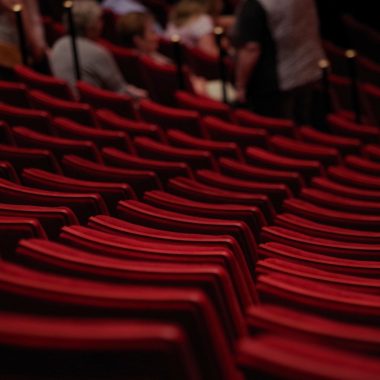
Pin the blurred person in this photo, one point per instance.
(278, 49)
(136, 31)
(194, 22)
(34, 33)
(122, 7)
(97, 65)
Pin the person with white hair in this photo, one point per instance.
(97, 65)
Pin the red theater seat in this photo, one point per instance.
(188, 308)
(203, 248)
(13, 229)
(205, 106)
(111, 192)
(261, 157)
(15, 94)
(272, 356)
(294, 323)
(251, 215)
(245, 171)
(7, 171)
(139, 180)
(298, 149)
(80, 112)
(121, 104)
(138, 212)
(271, 125)
(170, 117)
(211, 279)
(309, 227)
(83, 205)
(358, 284)
(220, 130)
(195, 158)
(198, 191)
(349, 250)
(362, 164)
(347, 191)
(46, 83)
(336, 218)
(360, 268)
(179, 138)
(70, 129)
(342, 143)
(37, 120)
(86, 347)
(60, 146)
(110, 121)
(52, 219)
(164, 169)
(21, 158)
(276, 192)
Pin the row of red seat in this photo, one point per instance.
(254, 258)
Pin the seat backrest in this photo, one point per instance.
(139, 180)
(79, 112)
(15, 228)
(46, 83)
(52, 218)
(15, 94)
(60, 146)
(112, 192)
(155, 75)
(128, 62)
(100, 137)
(83, 205)
(221, 130)
(21, 158)
(168, 117)
(37, 120)
(121, 104)
(195, 158)
(188, 308)
(205, 106)
(77, 346)
(109, 120)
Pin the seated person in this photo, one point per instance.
(136, 31)
(194, 22)
(97, 66)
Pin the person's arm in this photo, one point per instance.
(34, 29)
(208, 45)
(247, 57)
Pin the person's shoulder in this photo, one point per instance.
(93, 47)
(61, 44)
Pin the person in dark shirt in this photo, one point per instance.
(278, 49)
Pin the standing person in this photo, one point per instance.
(34, 33)
(97, 65)
(278, 49)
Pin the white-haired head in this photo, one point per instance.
(87, 18)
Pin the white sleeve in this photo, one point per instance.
(201, 26)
